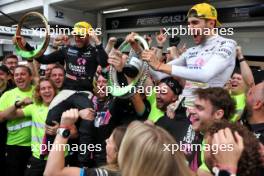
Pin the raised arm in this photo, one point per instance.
(220, 60)
(244, 67)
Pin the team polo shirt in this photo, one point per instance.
(38, 113)
(19, 130)
(155, 113)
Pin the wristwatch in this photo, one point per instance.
(64, 132)
(221, 172)
(17, 105)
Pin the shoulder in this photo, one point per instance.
(226, 41)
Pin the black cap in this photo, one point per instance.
(4, 69)
(173, 84)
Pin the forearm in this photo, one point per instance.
(247, 73)
(138, 104)
(159, 54)
(101, 55)
(9, 113)
(158, 75)
(56, 160)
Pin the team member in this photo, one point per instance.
(211, 105)
(44, 93)
(55, 164)
(81, 61)
(11, 61)
(4, 86)
(19, 130)
(57, 75)
(209, 64)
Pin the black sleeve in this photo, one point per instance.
(101, 55)
(56, 56)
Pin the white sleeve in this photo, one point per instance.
(157, 75)
(220, 60)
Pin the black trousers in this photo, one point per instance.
(35, 167)
(16, 160)
(79, 100)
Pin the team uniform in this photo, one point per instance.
(80, 65)
(207, 65)
(18, 135)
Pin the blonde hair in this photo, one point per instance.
(142, 153)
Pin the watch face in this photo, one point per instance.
(224, 173)
(66, 133)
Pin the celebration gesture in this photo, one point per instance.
(161, 38)
(150, 57)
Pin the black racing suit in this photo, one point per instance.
(80, 63)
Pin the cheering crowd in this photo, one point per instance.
(204, 114)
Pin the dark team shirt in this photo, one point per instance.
(79, 62)
(181, 129)
(257, 129)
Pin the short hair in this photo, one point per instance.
(142, 153)
(58, 66)
(9, 56)
(249, 162)
(25, 67)
(219, 98)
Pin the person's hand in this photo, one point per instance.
(130, 38)
(60, 41)
(228, 158)
(118, 60)
(87, 114)
(173, 53)
(69, 117)
(26, 101)
(161, 38)
(112, 41)
(15, 38)
(94, 37)
(182, 49)
(239, 53)
(150, 57)
(52, 130)
(148, 39)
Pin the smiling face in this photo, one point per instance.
(199, 28)
(202, 115)
(165, 96)
(22, 78)
(46, 91)
(81, 41)
(57, 76)
(111, 150)
(238, 84)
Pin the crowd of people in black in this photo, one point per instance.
(204, 114)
